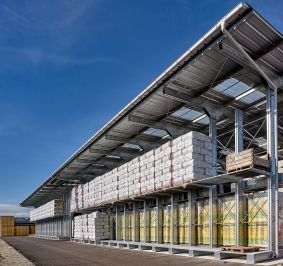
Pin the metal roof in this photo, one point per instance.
(173, 104)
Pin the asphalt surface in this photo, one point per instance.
(45, 252)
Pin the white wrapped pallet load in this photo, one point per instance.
(191, 158)
(53, 208)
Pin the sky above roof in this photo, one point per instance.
(68, 67)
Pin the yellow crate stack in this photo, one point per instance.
(22, 230)
(7, 226)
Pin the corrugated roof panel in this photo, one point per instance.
(256, 95)
(264, 27)
(155, 132)
(232, 87)
(187, 113)
(131, 146)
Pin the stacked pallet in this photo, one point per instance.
(192, 157)
(80, 197)
(123, 181)
(51, 209)
(175, 163)
(6, 226)
(74, 199)
(93, 226)
(147, 172)
(163, 166)
(77, 227)
(98, 226)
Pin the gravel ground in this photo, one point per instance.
(9, 256)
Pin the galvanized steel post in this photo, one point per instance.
(271, 123)
(239, 197)
(213, 189)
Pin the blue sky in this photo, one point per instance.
(67, 67)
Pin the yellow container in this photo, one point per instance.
(141, 225)
(257, 219)
(183, 223)
(203, 222)
(131, 226)
(152, 224)
(122, 231)
(167, 224)
(226, 220)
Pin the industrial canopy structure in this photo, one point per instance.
(228, 85)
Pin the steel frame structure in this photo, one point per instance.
(242, 48)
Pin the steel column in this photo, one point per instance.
(173, 221)
(192, 217)
(159, 218)
(271, 123)
(136, 222)
(239, 197)
(213, 189)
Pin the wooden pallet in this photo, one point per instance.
(241, 249)
(247, 167)
(246, 159)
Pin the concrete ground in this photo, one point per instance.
(51, 252)
(54, 253)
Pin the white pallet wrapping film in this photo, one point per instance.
(93, 226)
(50, 209)
(185, 159)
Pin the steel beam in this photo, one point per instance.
(124, 155)
(144, 144)
(173, 130)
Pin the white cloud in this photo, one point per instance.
(14, 210)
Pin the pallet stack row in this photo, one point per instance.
(93, 226)
(175, 163)
(50, 209)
